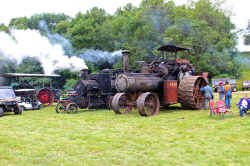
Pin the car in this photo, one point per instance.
(9, 101)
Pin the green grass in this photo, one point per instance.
(174, 137)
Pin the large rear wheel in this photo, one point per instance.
(45, 96)
(189, 94)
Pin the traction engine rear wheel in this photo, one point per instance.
(189, 94)
(120, 102)
(148, 104)
(45, 96)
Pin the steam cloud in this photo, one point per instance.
(96, 56)
(53, 51)
(23, 43)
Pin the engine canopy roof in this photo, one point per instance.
(172, 48)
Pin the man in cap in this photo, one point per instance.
(208, 93)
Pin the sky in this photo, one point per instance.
(18, 8)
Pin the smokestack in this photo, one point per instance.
(125, 57)
(83, 74)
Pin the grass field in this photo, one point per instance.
(99, 137)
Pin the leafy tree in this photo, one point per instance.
(19, 23)
(70, 83)
(30, 65)
(4, 28)
(33, 22)
(247, 34)
(62, 27)
(65, 74)
(7, 66)
(89, 30)
(208, 31)
(201, 25)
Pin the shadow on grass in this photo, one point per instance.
(7, 114)
(176, 108)
(81, 111)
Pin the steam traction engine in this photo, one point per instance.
(92, 91)
(163, 82)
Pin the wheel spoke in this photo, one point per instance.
(120, 103)
(148, 104)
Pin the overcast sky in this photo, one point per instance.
(18, 8)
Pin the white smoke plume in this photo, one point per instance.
(23, 43)
(96, 56)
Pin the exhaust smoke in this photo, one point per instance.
(30, 43)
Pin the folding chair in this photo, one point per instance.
(220, 109)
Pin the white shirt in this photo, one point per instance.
(244, 103)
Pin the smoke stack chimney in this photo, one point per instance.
(125, 57)
(83, 74)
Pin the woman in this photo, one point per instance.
(228, 95)
(244, 105)
(221, 91)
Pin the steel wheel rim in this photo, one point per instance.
(150, 105)
(72, 108)
(119, 103)
(198, 97)
(60, 108)
(123, 104)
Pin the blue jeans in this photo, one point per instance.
(228, 101)
(221, 96)
(243, 111)
(206, 103)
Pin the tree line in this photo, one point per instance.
(204, 26)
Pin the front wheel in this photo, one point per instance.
(148, 104)
(120, 104)
(18, 110)
(1, 111)
(72, 108)
(60, 108)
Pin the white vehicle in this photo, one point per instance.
(246, 85)
(27, 99)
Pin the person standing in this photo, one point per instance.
(244, 105)
(208, 93)
(228, 95)
(221, 91)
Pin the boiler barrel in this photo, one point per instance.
(138, 82)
